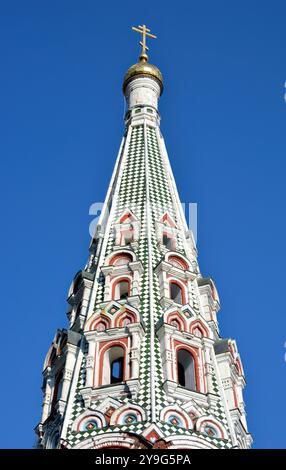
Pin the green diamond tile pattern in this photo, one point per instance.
(167, 429)
(132, 196)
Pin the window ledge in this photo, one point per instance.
(60, 406)
(174, 390)
(129, 389)
(166, 303)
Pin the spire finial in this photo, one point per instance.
(145, 32)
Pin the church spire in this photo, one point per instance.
(142, 363)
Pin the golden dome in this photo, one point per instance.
(143, 68)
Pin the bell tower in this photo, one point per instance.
(142, 363)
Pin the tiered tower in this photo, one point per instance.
(142, 363)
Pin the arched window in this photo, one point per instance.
(53, 441)
(186, 369)
(176, 293)
(122, 289)
(113, 366)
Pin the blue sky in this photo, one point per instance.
(61, 122)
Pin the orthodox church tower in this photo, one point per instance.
(142, 363)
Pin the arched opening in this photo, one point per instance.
(113, 366)
(77, 283)
(122, 289)
(62, 344)
(57, 388)
(116, 370)
(53, 357)
(186, 369)
(167, 241)
(176, 293)
(78, 309)
(127, 237)
(53, 441)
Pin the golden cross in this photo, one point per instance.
(145, 32)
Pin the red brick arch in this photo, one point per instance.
(117, 281)
(177, 259)
(104, 346)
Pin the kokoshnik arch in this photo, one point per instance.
(142, 363)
